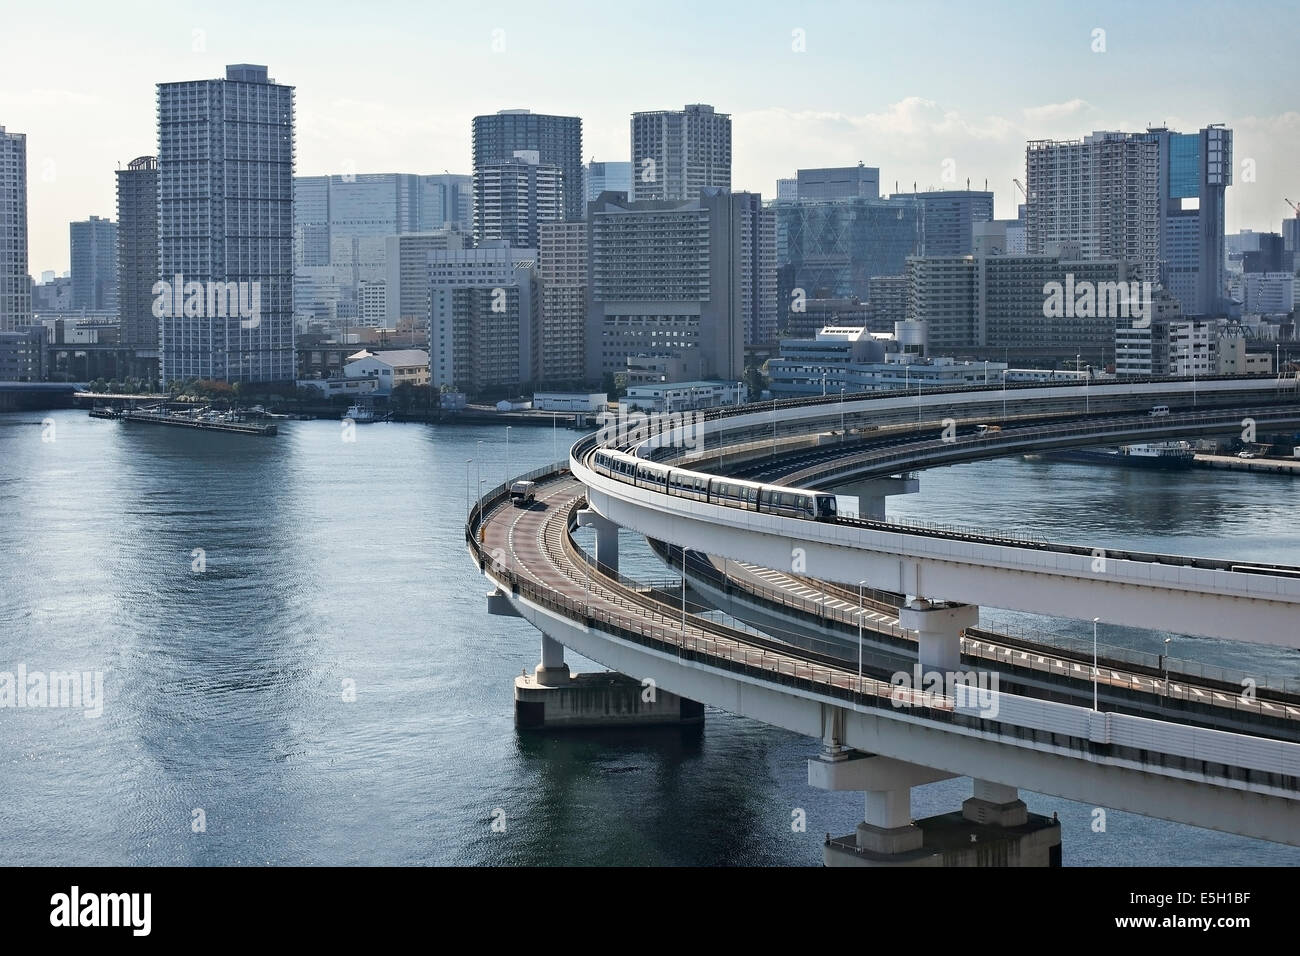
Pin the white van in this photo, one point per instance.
(523, 494)
(1159, 411)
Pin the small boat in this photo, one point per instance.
(360, 413)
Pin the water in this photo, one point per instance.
(331, 566)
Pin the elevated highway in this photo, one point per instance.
(881, 738)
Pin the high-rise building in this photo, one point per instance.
(342, 223)
(676, 153)
(225, 221)
(556, 139)
(787, 190)
(1101, 192)
(948, 219)
(562, 268)
(446, 201)
(484, 313)
(406, 264)
(676, 284)
(137, 251)
(1291, 235)
(837, 182)
(15, 283)
(1154, 199)
(93, 245)
(512, 199)
(606, 177)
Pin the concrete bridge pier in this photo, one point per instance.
(606, 537)
(873, 492)
(938, 627)
(551, 671)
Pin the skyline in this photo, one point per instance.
(404, 105)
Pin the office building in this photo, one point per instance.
(832, 249)
(677, 282)
(15, 283)
(406, 264)
(225, 220)
(1268, 293)
(676, 153)
(606, 177)
(787, 190)
(1002, 305)
(137, 252)
(562, 269)
(557, 141)
(948, 219)
(484, 319)
(512, 199)
(93, 250)
(342, 223)
(840, 182)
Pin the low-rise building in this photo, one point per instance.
(389, 368)
(22, 354)
(570, 401)
(668, 397)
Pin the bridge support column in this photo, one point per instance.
(886, 829)
(551, 671)
(995, 804)
(606, 537)
(938, 627)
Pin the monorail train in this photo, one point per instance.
(733, 492)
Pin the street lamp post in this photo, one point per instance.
(467, 504)
(774, 426)
(1094, 662)
(861, 612)
(1166, 662)
(555, 437)
(478, 466)
(507, 455)
(1087, 393)
(1004, 396)
(823, 384)
(843, 433)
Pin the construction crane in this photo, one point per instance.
(1293, 206)
(1021, 188)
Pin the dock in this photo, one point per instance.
(1273, 466)
(204, 419)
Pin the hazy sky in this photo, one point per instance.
(392, 86)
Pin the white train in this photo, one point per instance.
(732, 492)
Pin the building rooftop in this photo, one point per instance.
(394, 357)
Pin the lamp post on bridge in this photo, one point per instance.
(1094, 662)
(843, 433)
(467, 504)
(1166, 663)
(861, 611)
(1004, 396)
(507, 481)
(478, 460)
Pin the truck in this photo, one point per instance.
(523, 494)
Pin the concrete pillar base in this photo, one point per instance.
(889, 840)
(952, 840)
(551, 699)
(1011, 814)
(556, 676)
